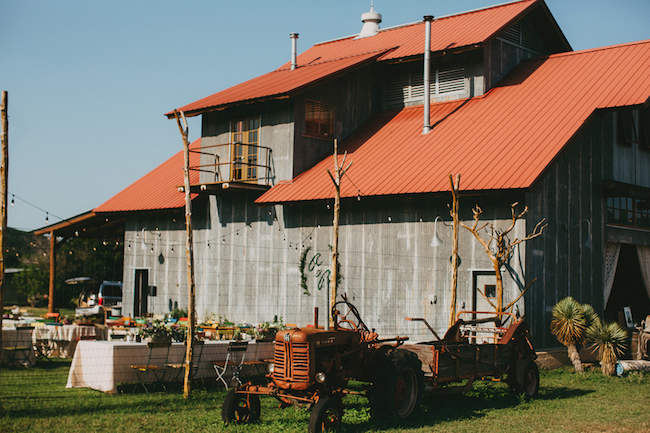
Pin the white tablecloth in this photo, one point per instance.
(63, 338)
(102, 365)
(12, 338)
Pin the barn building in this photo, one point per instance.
(499, 98)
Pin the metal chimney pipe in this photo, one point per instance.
(427, 73)
(294, 50)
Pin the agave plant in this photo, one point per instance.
(610, 340)
(569, 322)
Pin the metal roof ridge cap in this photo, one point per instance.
(397, 26)
(472, 11)
(590, 50)
(378, 51)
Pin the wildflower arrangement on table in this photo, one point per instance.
(267, 330)
(159, 330)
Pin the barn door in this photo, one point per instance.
(141, 292)
(486, 282)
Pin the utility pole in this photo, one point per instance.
(336, 178)
(4, 171)
(189, 340)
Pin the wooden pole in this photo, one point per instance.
(336, 179)
(4, 170)
(50, 296)
(455, 187)
(189, 341)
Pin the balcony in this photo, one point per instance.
(232, 166)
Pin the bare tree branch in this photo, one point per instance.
(507, 307)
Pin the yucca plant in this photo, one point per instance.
(569, 323)
(610, 340)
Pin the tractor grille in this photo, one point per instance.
(291, 362)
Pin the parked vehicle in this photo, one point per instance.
(312, 366)
(109, 294)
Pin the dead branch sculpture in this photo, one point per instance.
(499, 248)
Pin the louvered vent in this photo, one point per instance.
(408, 89)
(523, 35)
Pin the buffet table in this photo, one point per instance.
(62, 339)
(102, 365)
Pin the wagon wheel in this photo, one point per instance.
(528, 378)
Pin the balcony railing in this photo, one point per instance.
(229, 165)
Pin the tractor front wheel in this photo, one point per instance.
(326, 415)
(240, 408)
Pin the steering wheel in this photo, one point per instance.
(347, 316)
(347, 324)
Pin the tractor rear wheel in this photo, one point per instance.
(395, 393)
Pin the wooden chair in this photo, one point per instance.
(178, 369)
(153, 372)
(18, 351)
(233, 363)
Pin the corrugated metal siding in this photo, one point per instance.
(323, 60)
(158, 189)
(503, 140)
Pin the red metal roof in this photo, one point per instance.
(158, 189)
(330, 58)
(503, 140)
(277, 83)
(447, 33)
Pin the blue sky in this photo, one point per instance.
(89, 81)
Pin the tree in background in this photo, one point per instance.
(94, 258)
(32, 283)
(76, 257)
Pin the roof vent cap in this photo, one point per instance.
(370, 22)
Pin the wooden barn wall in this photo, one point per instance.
(568, 195)
(247, 260)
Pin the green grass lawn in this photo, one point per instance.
(36, 400)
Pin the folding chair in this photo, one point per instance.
(179, 368)
(18, 352)
(233, 363)
(153, 372)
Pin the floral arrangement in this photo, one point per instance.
(267, 330)
(159, 330)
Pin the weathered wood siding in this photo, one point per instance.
(568, 194)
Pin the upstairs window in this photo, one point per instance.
(633, 127)
(319, 119)
(628, 211)
(245, 139)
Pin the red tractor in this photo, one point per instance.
(312, 366)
